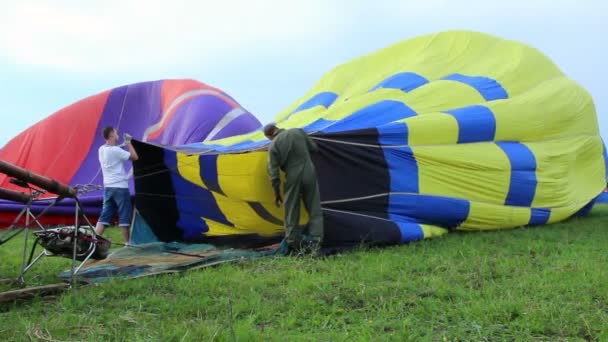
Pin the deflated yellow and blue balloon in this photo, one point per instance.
(451, 131)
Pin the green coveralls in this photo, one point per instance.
(290, 151)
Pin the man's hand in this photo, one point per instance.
(278, 200)
(127, 138)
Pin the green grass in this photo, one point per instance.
(547, 283)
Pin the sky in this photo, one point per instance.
(264, 53)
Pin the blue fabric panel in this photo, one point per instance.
(539, 216)
(410, 231)
(242, 146)
(208, 172)
(196, 148)
(406, 81)
(586, 209)
(603, 198)
(488, 88)
(424, 209)
(522, 187)
(317, 125)
(200, 146)
(376, 114)
(193, 203)
(475, 123)
(403, 169)
(221, 148)
(393, 134)
(247, 145)
(141, 232)
(324, 99)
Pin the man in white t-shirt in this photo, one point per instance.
(116, 196)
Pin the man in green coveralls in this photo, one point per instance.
(290, 151)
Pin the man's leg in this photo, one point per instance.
(107, 212)
(100, 228)
(293, 233)
(312, 202)
(123, 199)
(125, 234)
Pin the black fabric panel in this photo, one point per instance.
(153, 177)
(367, 136)
(247, 241)
(343, 229)
(350, 171)
(265, 214)
(375, 206)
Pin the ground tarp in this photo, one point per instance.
(158, 258)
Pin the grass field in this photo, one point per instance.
(546, 283)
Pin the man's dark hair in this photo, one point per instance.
(270, 129)
(107, 131)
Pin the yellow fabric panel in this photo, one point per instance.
(529, 67)
(432, 231)
(344, 109)
(477, 172)
(563, 213)
(303, 118)
(254, 136)
(220, 229)
(486, 216)
(386, 62)
(232, 140)
(556, 108)
(516, 66)
(240, 184)
(439, 95)
(432, 128)
(360, 75)
(257, 136)
(245, 219)
(432, 56)
(570, 171)
(442, 95)
(243, 176)
(189, 168)
(348, 79)
(239, 213)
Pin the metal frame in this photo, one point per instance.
(30, 219)
(28, 215)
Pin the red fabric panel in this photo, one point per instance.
(172, 89)
(56, 146)
(6, 218)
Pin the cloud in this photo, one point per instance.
(133, 34)
(130, 35)
(482, 9)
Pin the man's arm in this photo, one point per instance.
(273, 170)
(132, 153)
(123, 155)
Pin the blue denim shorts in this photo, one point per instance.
(116, 200)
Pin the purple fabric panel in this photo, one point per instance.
(245, 123)
(193, 120)
(130, 109)
(64, 208)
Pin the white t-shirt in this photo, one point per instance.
(112, 160)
